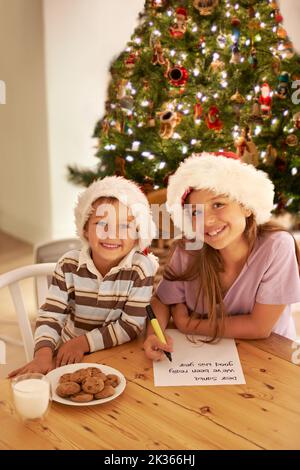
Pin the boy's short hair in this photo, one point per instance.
(125, 191)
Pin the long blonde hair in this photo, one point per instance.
(207, 264)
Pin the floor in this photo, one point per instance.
(15, 253)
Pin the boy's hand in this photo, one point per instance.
(72, 351)
(42, 363)
(154, 348)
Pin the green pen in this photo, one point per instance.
(157, 329)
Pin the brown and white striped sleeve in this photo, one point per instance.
(53, 313)
(124, 325)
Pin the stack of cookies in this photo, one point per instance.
(88, 384)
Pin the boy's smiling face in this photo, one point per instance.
(111, 233)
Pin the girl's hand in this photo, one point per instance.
(42, 364)
(154, 348)
(72, 351)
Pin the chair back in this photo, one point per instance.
(51, 251)
(11, 280)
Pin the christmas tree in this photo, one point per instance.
(203, 75)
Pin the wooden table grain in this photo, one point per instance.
(262, 414)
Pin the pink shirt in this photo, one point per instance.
(270, 276)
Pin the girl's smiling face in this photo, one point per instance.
(224, 218)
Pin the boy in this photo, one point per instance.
(98, 295)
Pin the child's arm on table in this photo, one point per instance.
(152, 345)
(72, 351)
(52, 316)
(257, 324)
(42, 363)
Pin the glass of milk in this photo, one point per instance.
(31, 395)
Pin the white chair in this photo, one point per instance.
(51, 251)
(11, 280)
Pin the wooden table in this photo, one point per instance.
(263, 414)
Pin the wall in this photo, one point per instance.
(25, 209)
(81, 39)
(290, 10)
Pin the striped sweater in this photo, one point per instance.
(109, 310)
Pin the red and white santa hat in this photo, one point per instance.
(129, 194)
(222, 173)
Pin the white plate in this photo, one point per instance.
(55, 375)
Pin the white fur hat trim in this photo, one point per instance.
(222, 175)
(129, 194)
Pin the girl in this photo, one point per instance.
(241, 283)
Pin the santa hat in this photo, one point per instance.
(129, 194)
(222, 174)
(181, 11)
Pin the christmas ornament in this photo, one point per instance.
(146, 84)
(281, 203)
(157, 3)
(292, 140)
(265, 100)
(221, 40)
(280, 163)
(271, 155)
(251, 12)
(254, 25)
(237, 101)
(121, 88)
(151, 121)
(283, 87)
(246, 148)
(179, 28)
(276, 65)
(119, 126)
(120, 166)
(236, 55)
(296, 75)
(253, 58)
(201, 42)
(130, 60)
(217, 66)
(235, 23)
(212, 119)
(198, 110)
(205, 7)
(178, 76)
(278, 16)
(105, 126)
(158, 54)
(281, 32)
(169, 120)
(256, 112)
(287, 50)
(126, 103)
(296, 119)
